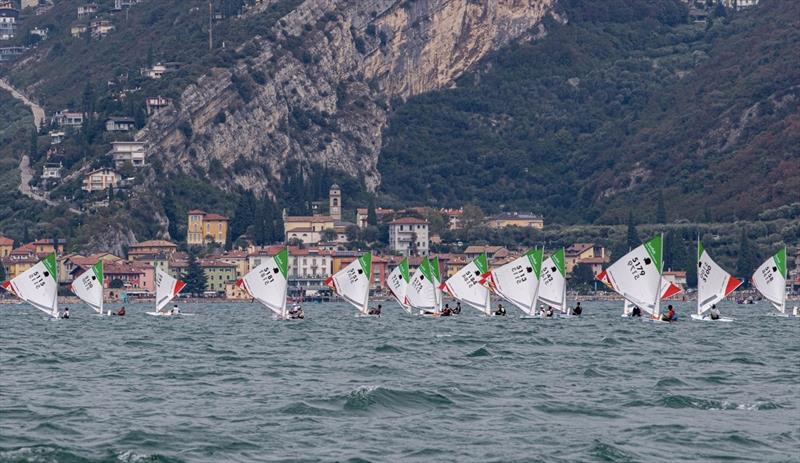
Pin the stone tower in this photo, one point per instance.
(335, 196)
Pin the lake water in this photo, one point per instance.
(231, 384)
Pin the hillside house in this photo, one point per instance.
(67, 118)
(151, 247)
(40, 32)
(119, 5)
(362, 214)
(78, 31)
(88, 10)
(52, 170)
(8, 20)
(158, 70)
(56, 137)
(515, 219)
(409, 236)
(101, 28)
(492, 252)
(133, 152)
(156, 103)
(205, 228)
(100, 180)
(120, 124)
(6, 246)
(587, 254)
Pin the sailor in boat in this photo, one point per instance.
(447, 311)
(578, 310)
(121, 311)
(457, 309)
(66, 313)
(501, 311)
(636, 312)
(175, 310)
(714, 313)
(375, 311)
(549, 312)
(297, 313)
(796, 311)
(670, 315)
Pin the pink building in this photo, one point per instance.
(135, 276)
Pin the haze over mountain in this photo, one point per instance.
(575, 109)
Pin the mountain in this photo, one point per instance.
(623, 104)
(576, 109)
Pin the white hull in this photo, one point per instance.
(706, 318)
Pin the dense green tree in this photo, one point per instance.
(472, 217)
(746, 262)
(328, 235)
(195, 277)
(244, 217)
(633, 235)
(372, 216)
(661, 209)
(582, 274)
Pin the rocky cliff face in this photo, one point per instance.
(317, 87)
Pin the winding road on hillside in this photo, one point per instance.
(25, 171)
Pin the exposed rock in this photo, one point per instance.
(319, 89)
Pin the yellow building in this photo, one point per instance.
(47, 246)
(515, 219)
(585, 253)
(6, 246)
(205, 228)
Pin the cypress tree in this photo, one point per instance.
(661, 210)
(744, 265)
(633, 236)
(195, 277)
(372, 216)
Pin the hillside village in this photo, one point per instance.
(319, 245)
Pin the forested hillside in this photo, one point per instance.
(624, 102)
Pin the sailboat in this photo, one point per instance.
(466, 285)
(166, 290)
(398, 284)
(668, 289)
(421, 292)
(38, 286)
(636, 276)
(518, 281)
(88, 286)
(352, 283)
(770, 280)
(553, 282)
(268, 284)
(713, 285)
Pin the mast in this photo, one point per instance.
(657, 304)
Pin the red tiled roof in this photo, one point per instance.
(153, 244)
(6, 241)
(408, 220)
(215, 217)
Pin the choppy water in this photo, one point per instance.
(230, 384)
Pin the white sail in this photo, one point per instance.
(553, 281)
(518, 281)
(166, 289)
(420, 293)
(268, 283)
(38, 286)
(668, 289)
(88, 286)
(398, 284)
(466, 285)
(770, 280)
(352, 282)
(713, 282)
(636, 276)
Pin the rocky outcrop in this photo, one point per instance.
(317, 87)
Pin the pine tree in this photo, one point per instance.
(633, 236)
(745, 265)
(661, 210)
(372, 216)
(244, 216)
(195, 278)
(33, 152)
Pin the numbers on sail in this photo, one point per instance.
(352, 275)
(636, 268)
(37, 279)
(520, 273)
(87, 282)
(547, 276)
(768, 274)
(704, 271)
(267, 277)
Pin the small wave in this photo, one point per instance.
(304, 409)
(367, 398)
(681, 401)
(592, 373)
(388, 348)
(480, 352)
(563, 409)
(608, 452)
(669, 381)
